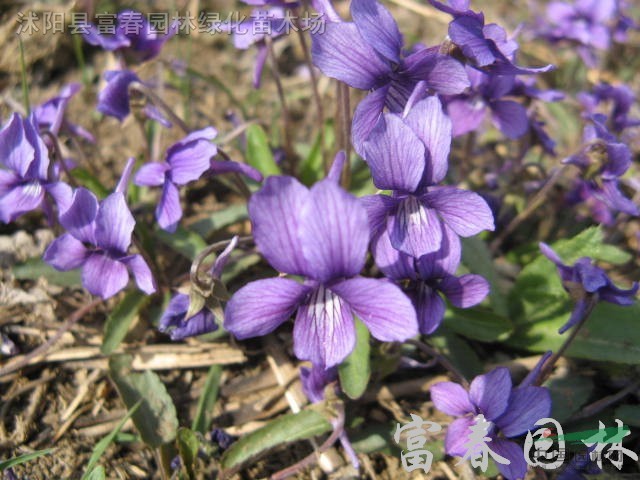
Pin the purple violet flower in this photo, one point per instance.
(185, 162)
(174, 319)
(587, 283)
(133, 36)
(511, 412)
(486, 46)
(367, 54)
(26, 175)
(51, 114)
(314, 379)
(622, 99)
(430, 277)
(467, 111)
(408, 155)
(97, 239)
(321, 234)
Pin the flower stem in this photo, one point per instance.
(343, 130)
(441, 359)
(550, 363)
(155, 99)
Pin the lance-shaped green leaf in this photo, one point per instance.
(27, 457)
(102, 445)
(156, 418)
(207, 400)
(355, 371)
(183, 241)
(478, 324)
(285, 429)
(34, 268)
(259, 154)
(188, 446)
(118, 323)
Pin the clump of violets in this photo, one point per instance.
(587, 284)
(133, 37)
(97, 240)
(509, 411)
(322, 235)
(408, 155)
(28, 179)
(589, 24)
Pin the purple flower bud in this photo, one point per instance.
(173, 320)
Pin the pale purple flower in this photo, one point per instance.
(621, 98)
(511, 411)
(315, 379)
(133, 36)
(430, 278)
(585, 22)
(487, 47)
(587, 283)
(97, 239)
(186, 161)
(26, 174)
(321, 234)
(408, 155)
(50, 115)
(261, 24)
(367, 54)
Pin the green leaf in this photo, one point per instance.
(477, 258)
(218, 220)
(478, 324)
(259, 154)
(458, 351)
(611, 334)
(97, 473)
(312, 164)
(188, 446)
(156, 418)
(356, 369)
(27, 457)
(35, 268)
(102, 445)
(207, 400)
(183, 241)
(629, 415)
(285, 429)
(118, 323)
(568, 395)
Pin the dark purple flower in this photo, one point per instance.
(367, 54)
(321, 234)
(174, 322)
(427, 279)
(621, 98)
(174, 319)
(26, 174)
(587, 283)
(51, 114)
(467, 111)
(185, 162)
(486, 46)
(408, 155)
(511, 411)
(97, 239)
(132, 35)
(222, 438)
(581, 467)
(602, 160)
